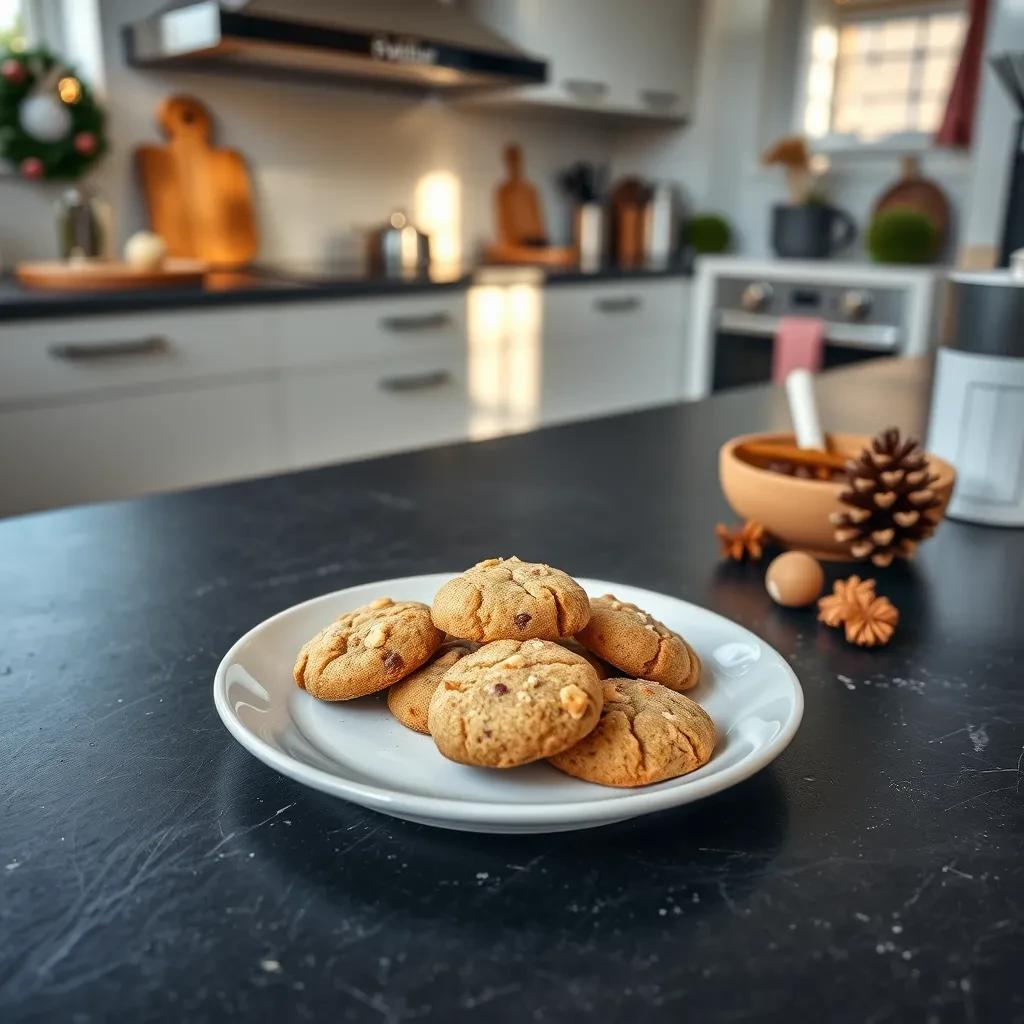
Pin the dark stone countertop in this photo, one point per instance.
(267, 285)
(151, 869)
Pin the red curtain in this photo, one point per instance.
(958, 121)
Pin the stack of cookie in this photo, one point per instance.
(514, 663)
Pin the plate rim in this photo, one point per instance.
(620, 803)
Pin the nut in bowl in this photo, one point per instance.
(800, 511)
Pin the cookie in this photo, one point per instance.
(638, 644)
(409, 698)
(367, 649)
(602, 669)
(647, 733)
(507, 599)
(513, 702)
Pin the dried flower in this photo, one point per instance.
(746, 541)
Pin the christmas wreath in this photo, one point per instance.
(50, 124)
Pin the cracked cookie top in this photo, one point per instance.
(638, 644)
(513, 702)
(647, 733)
(367, 649)
(508, 599)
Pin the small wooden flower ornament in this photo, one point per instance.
(868, 620)
(746, 541)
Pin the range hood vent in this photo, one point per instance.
(423, 43)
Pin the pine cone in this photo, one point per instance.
(890, 502)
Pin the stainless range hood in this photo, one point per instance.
(425, 43)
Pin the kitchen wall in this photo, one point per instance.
(747, 85)
(327, 161)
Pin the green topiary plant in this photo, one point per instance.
(902, 236)
(708, 233)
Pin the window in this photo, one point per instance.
(879, 70)
(12, 25)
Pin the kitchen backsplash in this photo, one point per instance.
(326, 161)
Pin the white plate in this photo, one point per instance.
(357, 751)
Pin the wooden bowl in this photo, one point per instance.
(793, 510)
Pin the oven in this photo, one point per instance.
(867, 312)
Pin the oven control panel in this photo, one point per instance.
(878, 306)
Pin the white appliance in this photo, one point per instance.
(977, 415)
(868, 310)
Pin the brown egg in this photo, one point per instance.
(794, 579)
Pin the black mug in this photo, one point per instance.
(811, 231)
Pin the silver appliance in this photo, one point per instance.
(867, 312)
(398, 248)
(422, 43)
(977, 413)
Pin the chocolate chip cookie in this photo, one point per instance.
(409, 698)
(513, 702)
(638, 644)
(367, 650)
(507, 599)
(647, 733)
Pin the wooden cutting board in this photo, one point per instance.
(914, 192)
(107, 275)
(520, 221)
(198, 197)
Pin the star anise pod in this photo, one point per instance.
(872, 624)
(869, 620)
(746, 541)
(847, 595)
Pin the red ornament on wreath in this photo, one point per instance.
(13, 71)
(32, 168)
(85, 143)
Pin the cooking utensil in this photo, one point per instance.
(520, 220)
(398, 248)
(198, 197)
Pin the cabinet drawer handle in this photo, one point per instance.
(585, 88)
(80, 352)
(659, 98)
(625, 304)
(415, 381)
(416, 322)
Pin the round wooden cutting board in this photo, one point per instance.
(107, 275)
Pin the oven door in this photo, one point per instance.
(744, 343)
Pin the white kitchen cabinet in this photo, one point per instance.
(53, 360)
(362, 408)
(611, 347)
(328, 333)
(108, 407)
(603, 55)
(119, 446)
(115, 406)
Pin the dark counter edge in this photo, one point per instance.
(17, 303)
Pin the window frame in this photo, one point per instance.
(827, 14)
